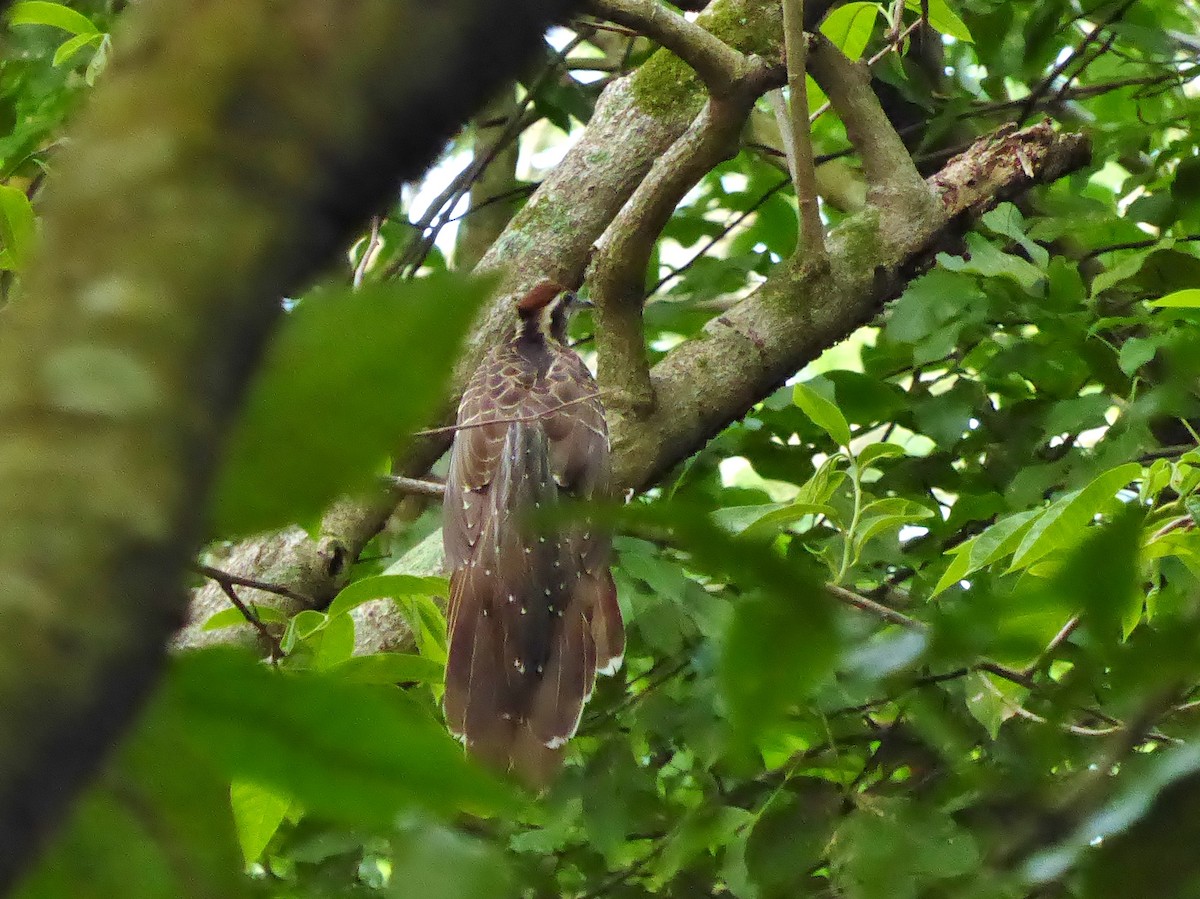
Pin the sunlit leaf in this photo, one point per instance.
(944, 19)
(258, 812)
(233, 616)
(824, 414)
(58, 15)
(1179, 299)
(850, 27)
(17, 225)
(69, 48)
(1064, 522)
(385, 586)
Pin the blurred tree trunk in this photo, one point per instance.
(228, 153)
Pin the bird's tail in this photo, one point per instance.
(522, 656)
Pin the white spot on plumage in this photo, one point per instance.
(612, 666)
(555, 742)
(512, 598)
(547, 591)
(523, 610)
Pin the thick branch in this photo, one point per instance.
(719, 65)
(230, 150)
(744, 354)
(618, 272)
(894, 185)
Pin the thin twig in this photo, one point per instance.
(221, 577)
(891, 46)
(252, 618)
(417, 486)
(1046, 83)
(1056, 641)
(370, 252)
(517, 419)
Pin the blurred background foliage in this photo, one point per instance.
(923, 623)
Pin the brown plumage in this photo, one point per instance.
(533, 610)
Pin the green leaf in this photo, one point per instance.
(1137, 351)
(1063, 524)
(156, 825)
(984, 259)
(775, 653)
(1129, 266)
(944, 19)
(791, 836)
(17, 225)
(849, 27)
(998, 541)
(428, 624)
(877, 451)
(40, 12)
(889, 849)
(356, 753)
(773, 522)
(1007, 220)
(257, 812)
(435, 862)
(389, 668)
(386, 586)
(233, 616)
(991, 700)
(69, 48)
(1180, 299)
(824, 414)
(346, 378)
(1101, 576)
(825, 481)
(336, 643)
(887, 514)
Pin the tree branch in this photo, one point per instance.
(742, 355)
(894, 186)
(719, 65)
(800, 157)
(618, 272)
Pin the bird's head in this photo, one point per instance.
(545, 311)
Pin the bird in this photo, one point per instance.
(533, 613)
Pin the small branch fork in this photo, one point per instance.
(618, 269)
(227, 581)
